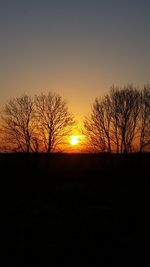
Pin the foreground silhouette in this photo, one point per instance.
(74, 209)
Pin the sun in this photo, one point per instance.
(74, 140)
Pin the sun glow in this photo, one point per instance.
(74, 140)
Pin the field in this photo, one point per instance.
(74, 209)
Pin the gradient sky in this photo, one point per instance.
(77, 48)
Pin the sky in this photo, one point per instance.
(77, 48)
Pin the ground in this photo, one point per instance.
(74, 209)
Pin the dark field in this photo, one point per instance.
(75, 209)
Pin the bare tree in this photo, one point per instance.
(112, 124)
(97, 125)
(106, 116)
(92, 131)
(144, 119)
(18, 123)
(115, 121)
(53, 119)
(125, 112)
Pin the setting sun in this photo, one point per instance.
(74, 140)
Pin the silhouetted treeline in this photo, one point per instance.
(36, 124)
(119, 122)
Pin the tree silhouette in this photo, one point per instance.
(112, 124)
(118, 122)
(19, 123)
(53, 120)
(97, 125)
(125, 105)
(144, 120)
